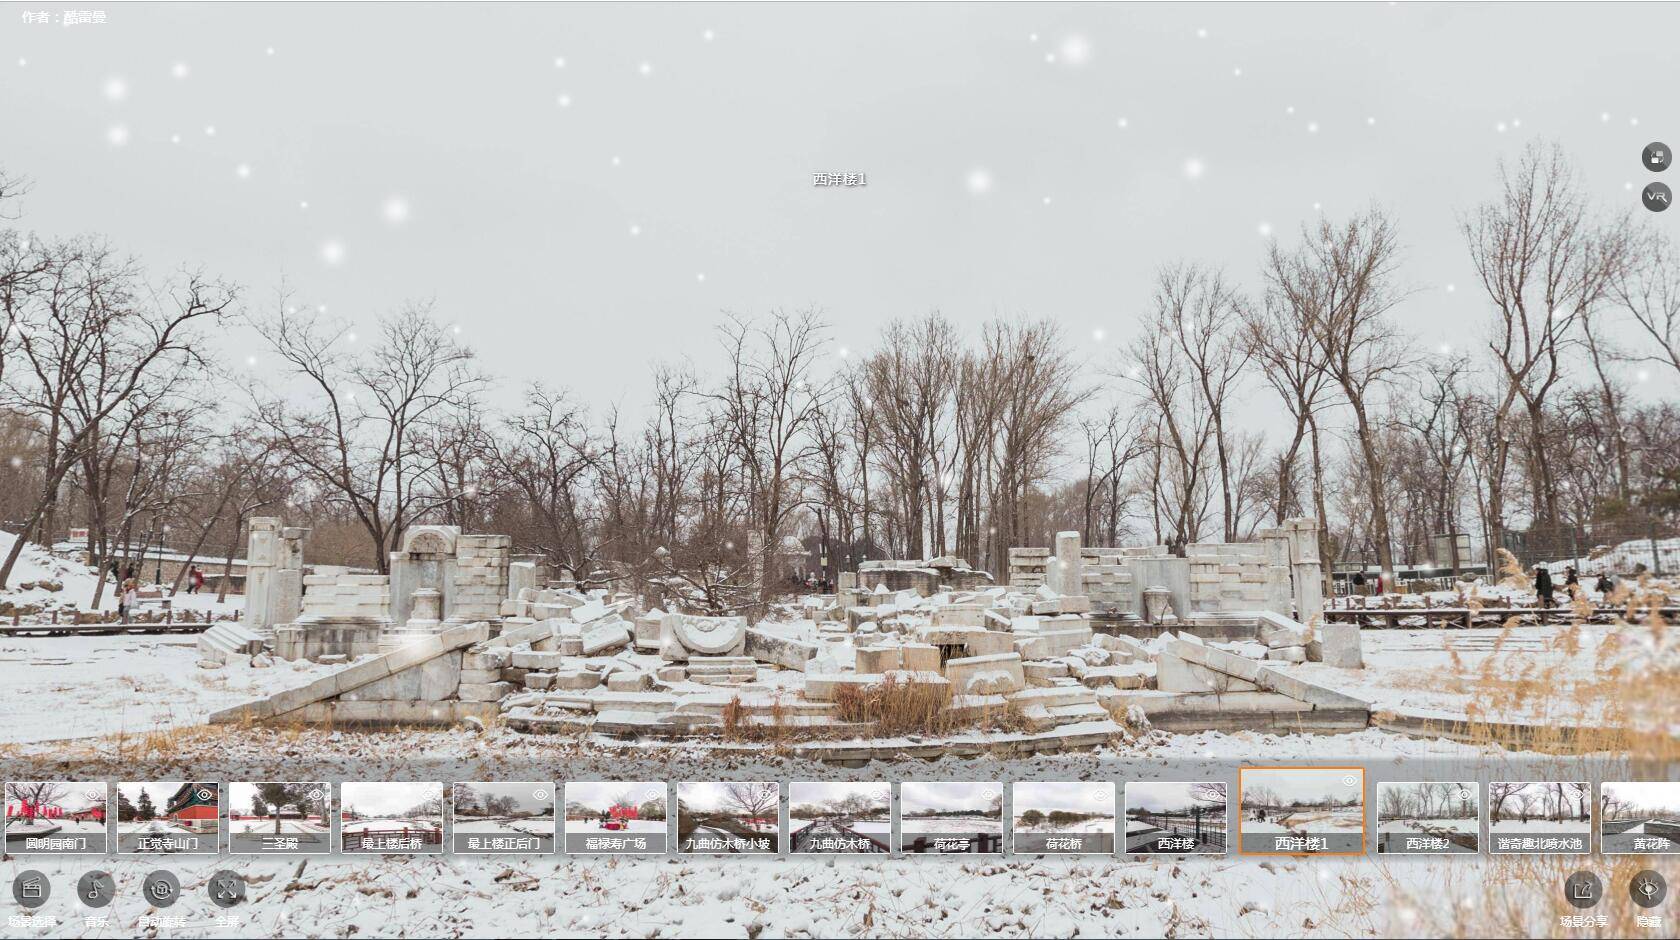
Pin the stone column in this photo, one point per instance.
(1279, 596)
(261, 554)
(1306, 568)
(1068, 574)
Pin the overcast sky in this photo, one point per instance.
(800, 792)
(524, 794)
(1158, 797)
(583, 188)
(1306, 784)
(1083, 797)
(388, 798)
(914, 798)
(1647, 795)
(600, 795)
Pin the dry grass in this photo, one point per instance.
(1628, 705)
(897, 708)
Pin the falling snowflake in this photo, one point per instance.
(1075, 50)
(117, 135)
(116, 89)
(243, 171)
(333, 252)
(180, 70)
(979, 181)
(564, 101)
(1265, 229)
(1194, 168)
(646, 68)
(395, 210)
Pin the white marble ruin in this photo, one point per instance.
(458, 622)
(273, 575)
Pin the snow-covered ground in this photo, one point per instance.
(1084, 825)
(159, 827)
(952, 824)
(1311, 821)
(287, 826)
(1427, 826)
(539, 826)
(19, 827)
(746, 896)
(1443, 670)
(593, 826)
(86, 686)
(388, 824)
(1518, 826)
(64, 584)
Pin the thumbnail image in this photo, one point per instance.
(172, 817)
(1548, 817)
(503, 817)
(1430, 817)
(391, 817)
(1641, 817)
(840, 817)
(1063, 817)
(728, 817)
(625, 817)
(942, 818)
(55, 817)
(1176, 818)
(1301, 810)
(279, 817)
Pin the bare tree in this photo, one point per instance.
(1649, 289)
(1280, 334)
(353, 425)
(1545, 265)
(1341, 282)
(765, 408)
(87, 340)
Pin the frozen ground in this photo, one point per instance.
(747, 896)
